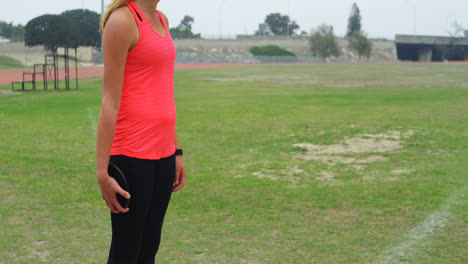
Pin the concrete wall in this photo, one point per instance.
(229, 48)
(430, 40)
(382, 49)
(425, 54)
(31, 55)
(25, 55)
(238, 47)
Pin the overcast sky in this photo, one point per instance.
(380, 18)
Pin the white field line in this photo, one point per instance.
(92, 120)
(406, 248)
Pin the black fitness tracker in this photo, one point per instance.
(179, 152)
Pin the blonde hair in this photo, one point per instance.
(114, 5)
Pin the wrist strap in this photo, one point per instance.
(179, 152)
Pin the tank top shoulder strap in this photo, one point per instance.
(135, 11)
(161, 17)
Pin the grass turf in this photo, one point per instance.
(249, 197)
(8, 63)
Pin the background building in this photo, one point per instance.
(431, 48)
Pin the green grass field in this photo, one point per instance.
(328, 163)
(9, 63)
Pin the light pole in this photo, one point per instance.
(287, 26)
(220, 9)
(414, 15)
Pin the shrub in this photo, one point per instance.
(323, 42)
(359, 42)
(270, 50)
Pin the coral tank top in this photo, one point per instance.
(146, 121)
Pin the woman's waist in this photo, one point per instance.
(144, 146)
(141, 130)
(147, 116)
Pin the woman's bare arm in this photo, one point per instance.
(181, 173)
(120, 35)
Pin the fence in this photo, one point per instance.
(201, 58)
(187, 58)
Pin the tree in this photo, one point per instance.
(354, 21)
(184, 29)
(281, 25)
(75, 27)
(359, 42)
(452, 51)
(458, 30)
(186, 23)
(17, 33)
(85, 27)
(12, 32)
(47, 30)
(323, 42)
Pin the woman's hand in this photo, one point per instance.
(109, 189)
(180, 174)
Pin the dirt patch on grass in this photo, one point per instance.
(402, 171)
(271, 79)
(7, 92)
(288, 175)
(262, 175)
(38, 250)
(356, 152)
(358, 167)
(334, 159)
(325, 176)
(350, 150)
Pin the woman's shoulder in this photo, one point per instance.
(121, 25)
(121, 17)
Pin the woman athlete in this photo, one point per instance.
(136, 128)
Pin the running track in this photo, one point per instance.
(9, 75)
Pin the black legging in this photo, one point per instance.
(136, 234)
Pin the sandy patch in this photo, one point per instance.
(292, 175)
(325, 176)
(358, 167)
(277, 79)
(353, 145)
(402, 171)
(334, 159)
(355, 151)
(7, 92)
(261, 175)
(38, 250)
(295, 170)
(361, 144)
